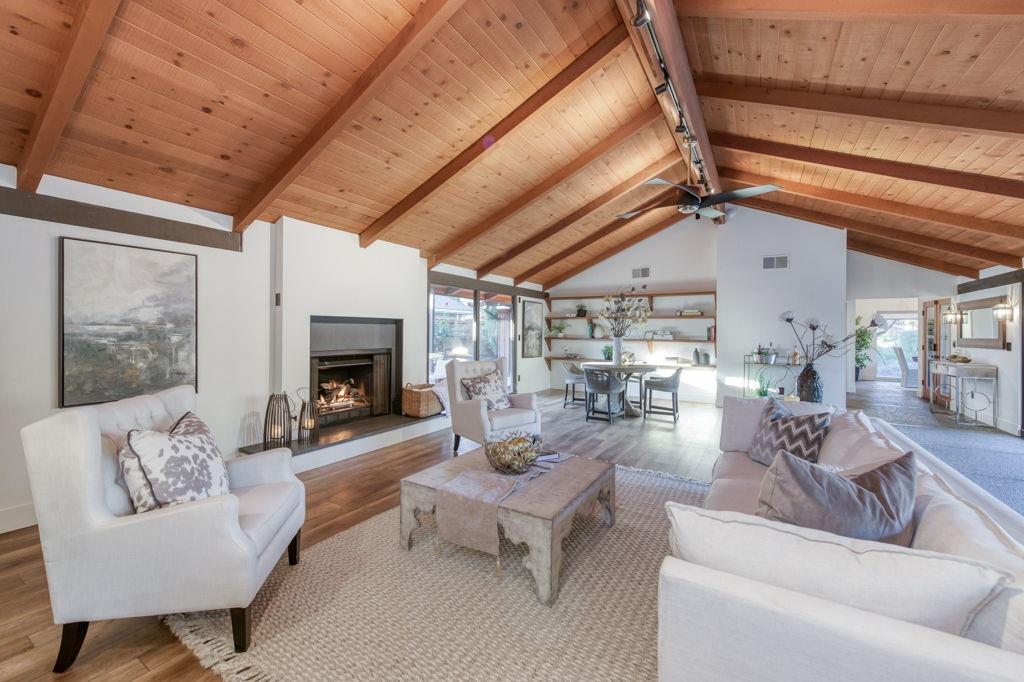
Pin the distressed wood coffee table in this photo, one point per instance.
(539, 513)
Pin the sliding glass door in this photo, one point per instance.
(469, 324)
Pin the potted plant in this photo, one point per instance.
(623, 312)
(763, 383)
(557, 328)
(815, 342)
(861, 346)
(581, 310)
(606, 351)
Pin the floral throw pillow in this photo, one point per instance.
(181, 465)
(489, 387)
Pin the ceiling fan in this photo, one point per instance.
(688, 200)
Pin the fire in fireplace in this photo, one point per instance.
(351, 384)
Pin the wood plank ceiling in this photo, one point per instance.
(506, 135)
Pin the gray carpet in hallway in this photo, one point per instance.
(993, 459)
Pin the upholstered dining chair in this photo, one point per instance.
(602, 382)
(908, 372)
(103, 561)
(573, 377)
(474, 419)
(666, 384)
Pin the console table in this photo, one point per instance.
(955, 376)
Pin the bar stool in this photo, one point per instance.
(602, 382)
(667, 384)
(574, 377)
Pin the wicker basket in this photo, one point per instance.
(419, 400)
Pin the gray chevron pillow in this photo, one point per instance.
(801, 436)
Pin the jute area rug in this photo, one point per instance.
(358, 607)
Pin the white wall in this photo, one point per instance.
(233, 337)
(750, 299)
(1008, 361)
(873, 277)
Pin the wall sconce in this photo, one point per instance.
(277, 424)
(308, 426)
(952, 316)
(1002, 311)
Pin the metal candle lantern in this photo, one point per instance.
(308, 427)
(277, 424)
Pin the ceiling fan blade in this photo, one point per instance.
(745, 193)
(629, 214)
(692, 191)
(709, 212)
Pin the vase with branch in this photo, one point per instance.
(622, 313)
(815, 342)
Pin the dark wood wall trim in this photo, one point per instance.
(1000, 280)
(445, 279)
(68, 212)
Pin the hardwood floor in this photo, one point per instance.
(338, 496)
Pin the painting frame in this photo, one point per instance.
(63, 399)
(533, 329)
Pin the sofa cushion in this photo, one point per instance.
(741, 417)
(263, 509)
(739, 466)
(885, 579)
(867, 452)
(800, 436)
(876, 505)
(182, 465)
(950, 524)
(510, 418)
(845, 429)
(734, 494)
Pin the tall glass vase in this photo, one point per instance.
(616, 350)
(808, 385)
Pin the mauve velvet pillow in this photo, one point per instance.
(876, 505)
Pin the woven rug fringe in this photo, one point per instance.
(213, 653)
(663, 474)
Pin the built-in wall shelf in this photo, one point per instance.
(649, 317)
(661, 365)
(649, 295)
(650, 342)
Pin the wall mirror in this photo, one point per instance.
(980, 328)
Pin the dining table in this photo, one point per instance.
(624, 371)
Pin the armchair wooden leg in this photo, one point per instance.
(241, 627)
(455, 448)
(293, 549)
(71, 638)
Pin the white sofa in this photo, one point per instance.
(721, 625)
(103, 561)
(472, 419)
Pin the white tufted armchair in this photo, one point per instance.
(103, 561)
(472, 419)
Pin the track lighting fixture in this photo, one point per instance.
(661, 89)
(643, 16)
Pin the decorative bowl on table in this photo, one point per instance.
(513, 455)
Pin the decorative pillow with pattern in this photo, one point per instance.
(489, 387)
(181, 465)
(801, 435)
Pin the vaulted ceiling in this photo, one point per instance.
(506, 135)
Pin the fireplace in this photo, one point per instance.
(353, 368)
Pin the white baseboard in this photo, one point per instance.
(13, 518)
(343, 451)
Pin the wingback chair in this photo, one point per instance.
(472, 419)
(103, 561)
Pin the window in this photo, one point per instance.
(902, 332)
(469, 324)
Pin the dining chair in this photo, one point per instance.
(602, 382)
(573, 377)
(665, 384)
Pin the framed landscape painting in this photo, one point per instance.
(533, 329)
(128, 321)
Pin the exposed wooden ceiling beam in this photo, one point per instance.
(911, 258)
(609, 228)
(666, 26)
(921, 11)
(88, 32)
(430, 17)
(581, 68)
(868, 203)
(618, 248)
(894, 112)
(885, 232)
(485, 226)
(614, 193)
(865, 164)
